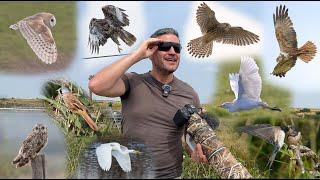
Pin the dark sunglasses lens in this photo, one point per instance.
(166, 46)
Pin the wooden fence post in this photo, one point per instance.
(38, 165)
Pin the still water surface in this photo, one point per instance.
(15, 126)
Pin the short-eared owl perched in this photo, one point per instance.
(31, 146)
(36, 30)
(109, 27)
(212, 30)
(287, 39)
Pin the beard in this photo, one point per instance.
(167, 69)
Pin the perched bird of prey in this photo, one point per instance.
(109, 27)
(287, 39)
(36, 30)
(212, 31)
(246, 87)
(275, 135)
(121, 153)
(32, 145)
(75, 106)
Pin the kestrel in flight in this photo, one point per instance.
(100, 30)
(213, 31)
(287, 39)
(36, 30)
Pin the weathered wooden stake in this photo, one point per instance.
(38, 165)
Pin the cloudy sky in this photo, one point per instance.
(146, 17)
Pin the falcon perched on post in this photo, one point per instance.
(287, 39)
(32, 145)
(109, 27)
(212, 30)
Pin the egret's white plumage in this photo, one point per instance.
(121, 153)
(246, 86)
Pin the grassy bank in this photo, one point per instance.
(251, 151)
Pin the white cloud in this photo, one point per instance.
(234, 18)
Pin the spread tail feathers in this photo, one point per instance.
(198, 49)
(127, 37)
(89, 120)
(307, 51)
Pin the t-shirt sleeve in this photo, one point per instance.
(127, 78)
(196, 100)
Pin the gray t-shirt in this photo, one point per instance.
(148, 116)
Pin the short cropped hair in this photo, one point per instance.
(163, 31)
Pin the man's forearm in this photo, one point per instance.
(108, 76)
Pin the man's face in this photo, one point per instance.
(166, 61)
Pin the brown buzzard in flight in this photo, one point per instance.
(212, 30)
(110, 27)
(287, 39)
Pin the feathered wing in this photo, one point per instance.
(284, 66)
(234, 84)
(99, 32)
(263, 131)
(104, 156)
(236, 36)
(40, 39)
(76, 106)
(123, 158)
(284, 30)
(206, 18)
(250, 78)
(116, 14)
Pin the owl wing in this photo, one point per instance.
(237, 36)
(250, 78)
(31, 146)
(266, 132)
(115, 14)
(285, 33)
(206, 18)
(284, 66)
(40, 39)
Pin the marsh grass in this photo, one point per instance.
(253, 152)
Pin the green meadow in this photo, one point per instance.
(15, 54)
(251, 151)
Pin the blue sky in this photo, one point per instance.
(146, 17)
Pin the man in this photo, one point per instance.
(151, 100)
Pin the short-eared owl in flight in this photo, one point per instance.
(36, 30)
(287, 39)
(212, 31)
(109, 27)
(31, 146)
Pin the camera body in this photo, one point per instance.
(183, 115)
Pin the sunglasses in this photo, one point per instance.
(166, 46)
